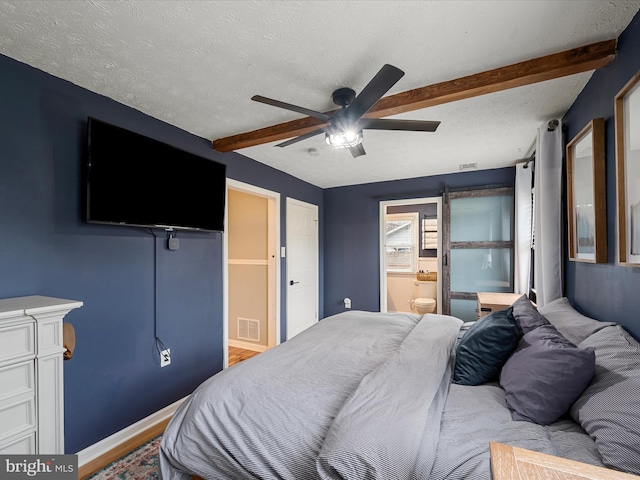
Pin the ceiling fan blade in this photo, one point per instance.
(375, 89)
(293, 108)
(391, 124)
(300, 138)
(357, 150)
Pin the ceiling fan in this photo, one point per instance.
(344, 129)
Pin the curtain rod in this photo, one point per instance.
(551, 126)
(532, 158)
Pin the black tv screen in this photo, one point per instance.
(133, 180)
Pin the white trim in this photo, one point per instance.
(382, 237)
(262, 192)
(247, 346)
(108, 444)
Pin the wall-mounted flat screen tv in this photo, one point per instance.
(133, 180)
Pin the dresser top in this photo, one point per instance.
(34, 304)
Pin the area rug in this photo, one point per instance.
(140, 464)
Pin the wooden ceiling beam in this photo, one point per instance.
(568, 62)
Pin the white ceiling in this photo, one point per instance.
(196, 65)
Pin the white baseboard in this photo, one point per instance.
(248, 346)
(105, 445)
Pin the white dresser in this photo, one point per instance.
(31, 374)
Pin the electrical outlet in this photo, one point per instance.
(165, 357)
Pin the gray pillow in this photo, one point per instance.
(545, 375)
(527, 315)
(609, 409)
(485, 347)
(569, 322)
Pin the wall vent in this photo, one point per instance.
(468, 166)
(248, 329)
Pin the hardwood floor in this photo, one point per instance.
(237, 355)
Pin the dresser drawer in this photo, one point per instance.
(17, 380)
(17, 419)
(21, 446)
(17, 342)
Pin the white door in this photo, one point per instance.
(302, 266)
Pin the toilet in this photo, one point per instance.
(424, 295)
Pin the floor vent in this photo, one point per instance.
(248, 329)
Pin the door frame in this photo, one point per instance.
(273, 293)
(383, 257)
(316, 266)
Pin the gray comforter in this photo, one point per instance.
(360, 395)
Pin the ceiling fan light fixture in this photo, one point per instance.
(346, 139)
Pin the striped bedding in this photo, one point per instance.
(360, 395)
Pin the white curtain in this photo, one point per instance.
(548, 216)
(523, 219)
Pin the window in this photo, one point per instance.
(401, 242)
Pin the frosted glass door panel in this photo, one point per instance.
(481, 219)
(481, 270)
(464, 309)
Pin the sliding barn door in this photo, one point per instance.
(478, 231)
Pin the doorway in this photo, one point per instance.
(252, 268)
(409, 242)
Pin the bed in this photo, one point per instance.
(364, 395)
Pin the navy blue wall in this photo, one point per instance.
(352, 232)
(606, 291)
(123, 275)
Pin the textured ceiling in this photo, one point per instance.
(196, 64)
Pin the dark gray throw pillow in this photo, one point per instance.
(485, 347)
(527, 315)
(545, 375)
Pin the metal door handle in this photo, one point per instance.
(291, 282)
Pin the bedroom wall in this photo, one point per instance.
(351, 240)
(114, 378)
(607, 292)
